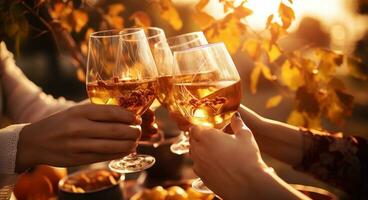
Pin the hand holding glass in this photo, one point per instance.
(206, 88)
(121, 71)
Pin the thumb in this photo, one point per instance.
(239, 126)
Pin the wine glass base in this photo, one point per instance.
(131, 164)
(199, 186)
(180, 147)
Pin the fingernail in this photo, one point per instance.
(138, 120)
(237, 114)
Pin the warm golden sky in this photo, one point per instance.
(337, 16)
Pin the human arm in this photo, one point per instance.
(55, 125)
(24, 101)
(79, 135)
(281, 141)
(237, 164)
(341, 161)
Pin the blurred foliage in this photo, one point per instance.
(308, 75)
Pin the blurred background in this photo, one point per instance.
(337, 25)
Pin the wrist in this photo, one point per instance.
(25, 158)
(250, 179)
(257, 170)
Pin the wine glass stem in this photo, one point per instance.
(186, 135)
(132, 155)
(182, 145)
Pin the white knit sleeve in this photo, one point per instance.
(8, 143)
(25, 101)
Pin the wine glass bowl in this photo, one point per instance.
(151, 134)
(121, 71)
(206, 88)
(163, 54)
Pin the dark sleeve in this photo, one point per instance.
(339, 161)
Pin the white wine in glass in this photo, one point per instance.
(163, 54)
(206, 88)
(121, 71)
(153, 136)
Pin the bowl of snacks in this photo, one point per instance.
(180, 191)
(91, 184)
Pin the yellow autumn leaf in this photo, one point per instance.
(63, 13)
(338, 105)
(252, 47)
(66, 25)
(275, 31)
(273, 51)
(84, 48)
(141, 19)
(329, 61)
(84, 43)
(301, 119)
(296, 118)
(273, 101)
(229, 30)
(307, 64)
(203, 19)
(309, 121)
(169, 13)
(80, 18)
(228, 5)
(115, 21)
(291, 76)
(287, 15)
(115, 9)
(61, 10)
(201, 4)
(81, 75)
(254, 77)
(269, 20)
(241, 11)
(267, 73)
(313, 122)
(88, 33)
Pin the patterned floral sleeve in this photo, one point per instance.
(341, 161)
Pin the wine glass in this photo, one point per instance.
(151, 135)
(206, 88)
(164, 61)
(121, 71)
